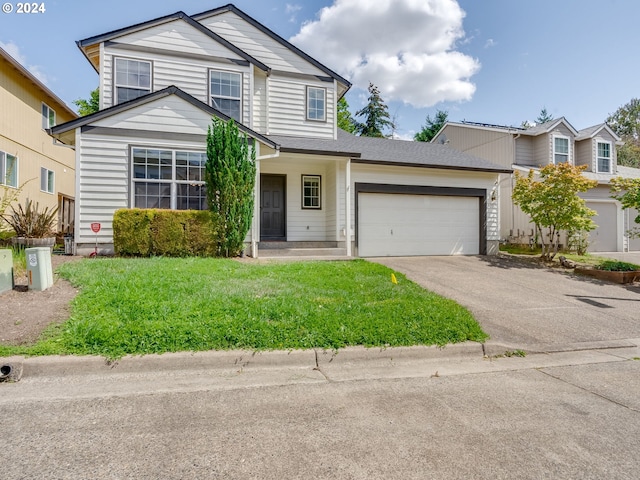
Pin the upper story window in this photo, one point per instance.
(8, 170)
(226, 93)
(560, 149)
(133, 79)
(604, 157)
(46, 180)
(316, 104)
(48, 116)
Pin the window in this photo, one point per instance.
(133, 79)
(604, 157)
(46, 180)
(316, 104)
(168, 179)
(225, 89)
(311, 191)
(8, 170)
(48, 116)
(560, 150)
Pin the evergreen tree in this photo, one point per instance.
(544, 116)
(230, 174)
(626, 122)
(431, 127)
(376, 115)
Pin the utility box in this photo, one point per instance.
(39, 269)
(6, 270)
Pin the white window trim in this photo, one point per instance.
(306, 109)
(568, 154)
(224, 97)
(115, 77)
(4, 170)
(173, 182)
(610, 158)
(319, 206)
(48, 173)
(48, 117)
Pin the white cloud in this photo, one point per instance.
(490, 43)
(405, 47)
(13, 50)
(292, 10)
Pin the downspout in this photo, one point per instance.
(513, 213)
(255, 224)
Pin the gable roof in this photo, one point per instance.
(172, 90)
(32, 78)
(531, 131)
(591, 132)
(232, 8)
(87, 42)
(383, 151)
(548, 126)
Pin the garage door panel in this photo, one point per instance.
(605, 237)
(406, 225)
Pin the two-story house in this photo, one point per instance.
(552, 142)
(161, 82)
(28, 156)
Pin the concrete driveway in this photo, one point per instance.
(523, 306)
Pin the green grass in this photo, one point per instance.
(141, 306)
(617, 266)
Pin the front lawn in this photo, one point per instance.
(139, 306)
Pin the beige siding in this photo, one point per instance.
(22, 135)
(492, 145)
(429, 177)
(178, 37)
(584, 154)
(525, 151)
(287, 109)
(258, 44)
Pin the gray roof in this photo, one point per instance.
(589, 132)
(388, 152)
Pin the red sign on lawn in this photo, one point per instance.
(95, 227)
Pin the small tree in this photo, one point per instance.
(544, 116)
(431, 127)
(627, 192)
(230, 174)
(553, 203)
(87, 107)
(376, 115)
(345, 120)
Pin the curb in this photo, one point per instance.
(234, 360)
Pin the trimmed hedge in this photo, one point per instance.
(170, 233)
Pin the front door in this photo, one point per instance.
(272, 207)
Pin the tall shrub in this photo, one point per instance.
(230, 173)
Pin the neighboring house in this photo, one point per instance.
(27, 153)
(555, 141)
(317, 186)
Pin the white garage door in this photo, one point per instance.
(605, 237)
(405, 225)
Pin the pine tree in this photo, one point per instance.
(376, 115)
(230, 173)
(432, 126)
(345, 120)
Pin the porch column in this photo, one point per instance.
(255, 223)
(347, 205)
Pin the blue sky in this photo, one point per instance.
(492, 61)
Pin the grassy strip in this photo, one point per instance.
(140, 306)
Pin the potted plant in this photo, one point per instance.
(33, 227)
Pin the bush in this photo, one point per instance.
(616, 266)
(31, 221)
(170, 233)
